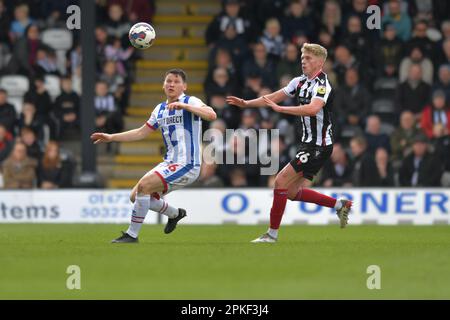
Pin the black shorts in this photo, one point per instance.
(310, 159)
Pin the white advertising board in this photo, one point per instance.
(218, 206)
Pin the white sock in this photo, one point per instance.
(140, 209)
(273, 233)
(161, 206)
(338, 204)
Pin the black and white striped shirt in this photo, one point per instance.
(317, 130)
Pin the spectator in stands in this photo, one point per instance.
(375, 138)
(29, 118)
(46, 62)
(8, 114)
(289, 64)
(115, 52)
(388, 52)
(250, 119)
(24, 56)
(384, 168)
(222, 58)
(352, 101)
(221, 84)
(136, 10)
(325, 39)
(67, 106)
(436, 117)
(400, 20)
(357, 42)
(28, 137)
(402, 137)
(116, 84)
(344, 60)
(337, 171)
(445, 30)
(444, 57)
(272, 39)
(21, 21)
(54, 12)
(53, 171)
(328, 69)
(421, 40)
(6, 143)
(443, 82)
(230, 15)
(233, 43)
(332, 18)
(228, 113)
(19, 171)
(101, 39)
(413, 94)
(117, 25)
(261, 64)
(297, 18)
(420, 168)
(364, 168)
(253, 85)
(416, 57)
(108, 117)
(5, 23)
(40, 97)
(238, 178)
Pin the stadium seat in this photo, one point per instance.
(387, 128)
(16, 86)
(60, 40)
(52, 84)
(385, 109)
(386, 84)
(383, 106)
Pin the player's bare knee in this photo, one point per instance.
(133, 196)
(292, 194)
(280, 181)
(142, 187)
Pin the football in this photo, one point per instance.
(142, 35)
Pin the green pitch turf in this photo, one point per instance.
(218, 262)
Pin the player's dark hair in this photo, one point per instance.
(178, 72)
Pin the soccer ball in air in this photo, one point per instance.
(142, 35)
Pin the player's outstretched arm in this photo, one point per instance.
(276, 96)
(131, 135)
(307, 110)
(205, 112)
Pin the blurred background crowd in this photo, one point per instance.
(390, 99)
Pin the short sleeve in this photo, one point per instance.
(196, 102)
(321, 90)
(291, 88)
(152, 122)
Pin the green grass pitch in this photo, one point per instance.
(218, 262)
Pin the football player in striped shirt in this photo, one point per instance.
(180, 120)
(311, 91)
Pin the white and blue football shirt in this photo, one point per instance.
(181, 131)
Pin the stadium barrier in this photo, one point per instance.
(227, 206)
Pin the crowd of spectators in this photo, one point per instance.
(391, 86)
(32, 131)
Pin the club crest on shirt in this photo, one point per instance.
(321, 90)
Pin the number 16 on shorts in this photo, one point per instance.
(303, 156)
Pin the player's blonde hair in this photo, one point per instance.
(315, 49)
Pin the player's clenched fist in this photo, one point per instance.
(99, 137)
